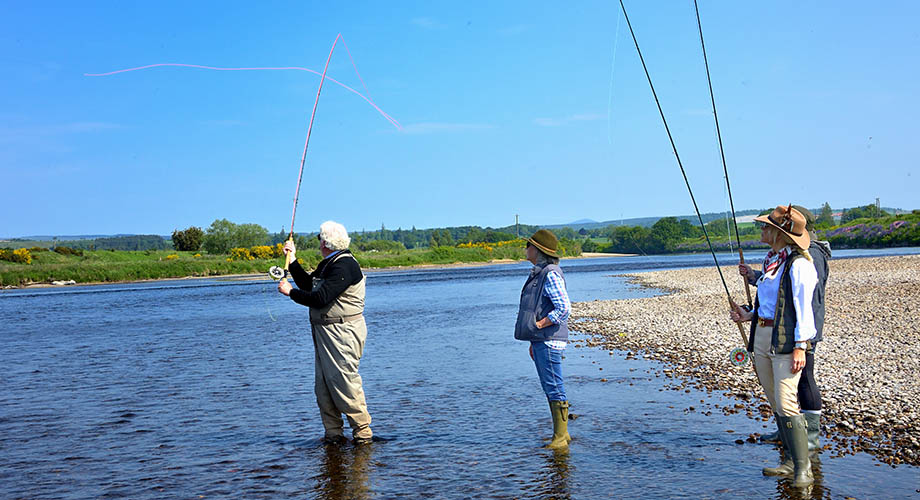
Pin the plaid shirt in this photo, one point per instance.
(554, 289)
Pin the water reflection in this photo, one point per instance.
(785, 490)
(344, 472)
(555, 475)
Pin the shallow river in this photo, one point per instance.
(204, 389)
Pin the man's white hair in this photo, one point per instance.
(334, 235)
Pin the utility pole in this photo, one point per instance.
(878, 208)
(517, 229)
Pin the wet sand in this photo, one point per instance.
(868, 366)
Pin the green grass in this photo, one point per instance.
(118, 266)
(107, 266)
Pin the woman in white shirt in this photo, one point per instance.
(782, 327)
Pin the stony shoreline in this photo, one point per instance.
(868, 366)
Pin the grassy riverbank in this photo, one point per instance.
(115, 266)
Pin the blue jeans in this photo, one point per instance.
(549, 368)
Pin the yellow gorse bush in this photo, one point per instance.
(278, 250)
(240, 254)
(172, 257)
(22, 255)
(196, 255)
(262, 252)
(491, 246)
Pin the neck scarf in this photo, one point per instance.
(773, 261)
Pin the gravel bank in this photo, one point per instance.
(868, 366)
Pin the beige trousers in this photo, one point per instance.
(338, 349)
(775, 374)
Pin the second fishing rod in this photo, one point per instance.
(683, 172)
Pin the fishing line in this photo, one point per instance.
(277, 272)
(680, 164)
(715, 114)
(266, 68)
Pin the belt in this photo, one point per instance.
(340, 319)
(764, 322)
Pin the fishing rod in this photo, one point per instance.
(715, 114)
(276, 272)
(728, 294)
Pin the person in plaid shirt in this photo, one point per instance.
(543, 321)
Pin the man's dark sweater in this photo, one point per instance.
(337, 276)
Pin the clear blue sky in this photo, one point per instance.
(537, 109)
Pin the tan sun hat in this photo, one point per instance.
(791, 222)
(545, 241)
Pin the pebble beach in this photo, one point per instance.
(867, 367)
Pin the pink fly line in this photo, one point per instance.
(323, 78)
(267, 68)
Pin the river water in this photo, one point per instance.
(204, 389)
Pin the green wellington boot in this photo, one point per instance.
(787, 467)
(560, 412)
(797, 435)
(813, 420)
(773, 437)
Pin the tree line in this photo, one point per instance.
(661, 237)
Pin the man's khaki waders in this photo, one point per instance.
(339, 332)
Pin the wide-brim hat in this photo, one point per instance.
(790, 222)
(545, 241)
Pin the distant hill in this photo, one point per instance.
(646, 221)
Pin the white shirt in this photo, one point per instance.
(804, 278)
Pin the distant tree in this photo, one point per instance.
(863, 212)
(249, 235)
(825, 218)
(218, 238)
(689, 229)
(188, 240)
(476, 235)
(566, 232)
(718, 227)
(134, 242)
(446, 238)
(588, 245)
(666, 234)
(492, 236)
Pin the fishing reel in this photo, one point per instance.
(278, 273)
(740, 357)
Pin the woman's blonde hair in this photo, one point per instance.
(777, 234)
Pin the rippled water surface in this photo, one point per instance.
(205, 388)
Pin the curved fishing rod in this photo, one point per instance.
(303, 157)
(715, 114)
(276, 272)
(728, 294)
